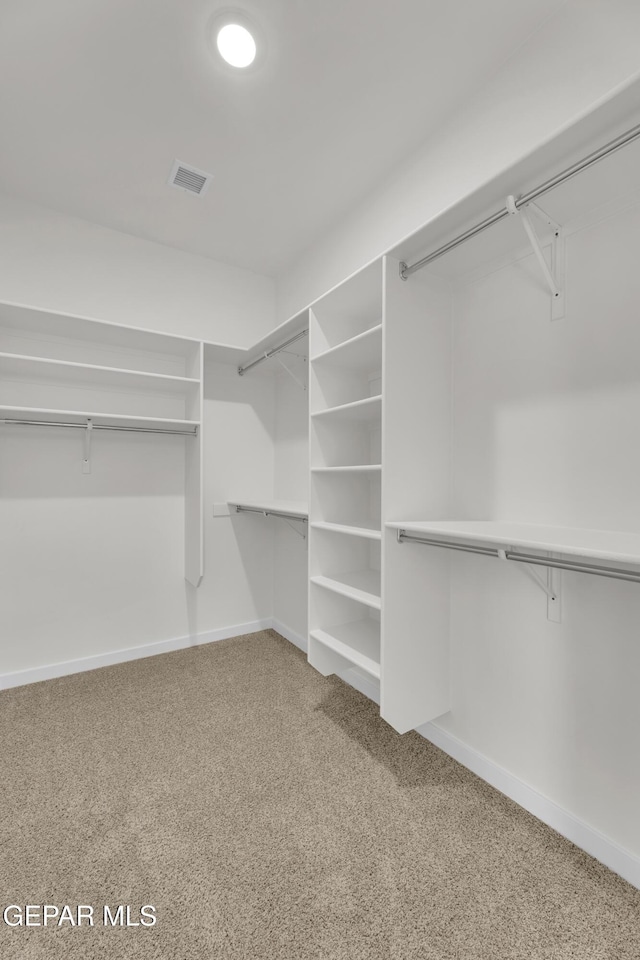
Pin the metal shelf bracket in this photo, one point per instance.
(549, 584)
(554, 274)
(299, 383)
(88, 434)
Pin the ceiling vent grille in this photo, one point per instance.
(189, 178)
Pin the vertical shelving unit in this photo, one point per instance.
(345, 400)
(69, 372)
(380, 409)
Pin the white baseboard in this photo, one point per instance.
(360, 683)
(290, 635)
(589, 839)
(583, 835)
(49, 671)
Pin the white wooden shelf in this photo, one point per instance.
(362, 352)
(368, 409)
(350, 530)
(294, 509)
(47, 414)
(360, 585)
(608, 545)
(22, 319)
(355, 468)
(358, 642)
(23, 367)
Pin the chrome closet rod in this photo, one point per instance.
(272, 513)
(625, 138)
(100, 426)
(613, 573)
(273, 352)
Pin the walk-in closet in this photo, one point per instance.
(319, 418)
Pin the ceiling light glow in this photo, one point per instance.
(236, 45)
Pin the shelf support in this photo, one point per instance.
(550, 585)
(299, 383)
(88, 433)
(289, 523)
(554, 275)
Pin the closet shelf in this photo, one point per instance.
(293, 509)
(38, 369)
(358, 642)
(356, 468)
(47, 414)
(362, 352)
(351, 530)
(368, 409)
(22, 318)
(360, 585)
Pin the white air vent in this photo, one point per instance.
(189, 178)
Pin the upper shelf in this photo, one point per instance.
(609, 545)
(16, 366)
(18, 320)
(364, 351)
(21, 318)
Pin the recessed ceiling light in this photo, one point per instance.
(236, 45)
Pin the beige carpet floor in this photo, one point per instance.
(267, 812)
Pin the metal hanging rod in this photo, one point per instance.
(613, 573)
(272, 513)
(101, 426)
(629, 137)
(273, 352)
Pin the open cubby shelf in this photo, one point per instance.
(363, 351)
(355, 468)
(350, 530)
(360, 585)
(369, 408)
(357, 642)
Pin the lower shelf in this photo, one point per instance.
(361, 585)
(358, 642)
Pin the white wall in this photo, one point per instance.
(291, 483)
(61, 263)
(574, 61)
(545, 427)
(91, 564)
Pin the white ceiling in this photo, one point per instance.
(99, 98)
